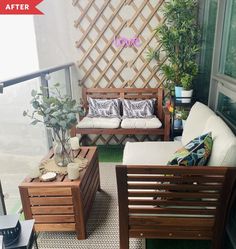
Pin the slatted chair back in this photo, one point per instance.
(126, 93)
(169, 201)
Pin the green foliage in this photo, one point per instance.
(182, 113)
(152, 54)
(57, 111)
(179, 38)
(186, 81)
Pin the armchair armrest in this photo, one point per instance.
(166, 123)
(73, 131)
(182, 209)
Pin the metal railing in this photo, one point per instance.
(44, 77)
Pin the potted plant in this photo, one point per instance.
(187, 90)
(178, 38)
(184, 115)
(58, 113)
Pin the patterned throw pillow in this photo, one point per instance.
(138, 108)
(195, 153)
(108, 108)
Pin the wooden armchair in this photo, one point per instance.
(174, 202)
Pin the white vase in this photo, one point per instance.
(185, 94)
(183, 123)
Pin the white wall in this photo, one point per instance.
(18, 57)
(17, 46)
(56, 36)
(54, 33)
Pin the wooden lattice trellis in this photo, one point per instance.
(101, 63)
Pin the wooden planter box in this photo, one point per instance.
(63, 205)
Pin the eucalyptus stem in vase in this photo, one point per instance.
(58, 113)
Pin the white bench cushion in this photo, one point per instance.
(224, 143)
(141, 123)
(107, 123)
(149, 153)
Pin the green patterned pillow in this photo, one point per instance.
(195, 153)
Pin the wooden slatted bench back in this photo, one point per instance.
(170, 201)
(126, 93)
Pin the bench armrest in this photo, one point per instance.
(166, 123)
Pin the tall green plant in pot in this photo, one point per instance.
(179, 43)
(58, 113)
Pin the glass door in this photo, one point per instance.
(207, 18)
(228, 48)
(222, 96)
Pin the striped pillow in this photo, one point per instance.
(108, 108)
(138, 108)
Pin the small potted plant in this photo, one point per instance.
(187, 90)
(184, 115)
(58, 113)
(187, 82)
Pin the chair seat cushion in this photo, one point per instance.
(141, 123)
(149, 153)
(108, 123)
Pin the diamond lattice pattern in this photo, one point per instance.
(102, 64)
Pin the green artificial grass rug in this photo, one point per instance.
(110, 153)
(177, 244)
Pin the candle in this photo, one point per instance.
(73, 171)
(34, 172)
(74, 142)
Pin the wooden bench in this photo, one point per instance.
(173, 202)
(130, 93)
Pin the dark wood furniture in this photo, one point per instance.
(230, 231)
(130, 93)
(179, 203)
(27, 237)
(225, 236)
(63, 205)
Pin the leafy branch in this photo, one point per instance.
(179, 38)
(56, 112)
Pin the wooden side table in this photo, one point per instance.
(63, 205)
